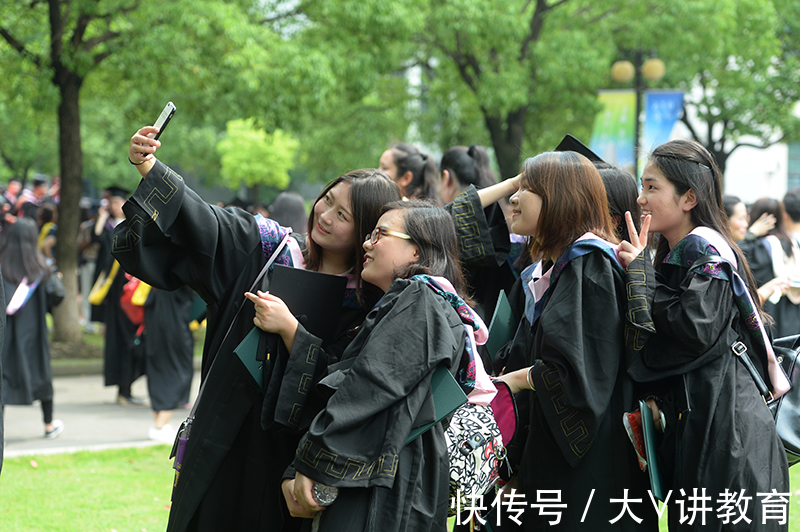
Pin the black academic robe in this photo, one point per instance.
(27, 375)
(122, 362)
(785, 314)
(576, 442)
(483, 247)
(230, 479)
(382, 390)
(720, 435)
(169, 348)
(2, 341)
(102, 264)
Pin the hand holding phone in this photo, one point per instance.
(164, 118)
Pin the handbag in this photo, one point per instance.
(475, 446)
(185, 430)
(786, 409)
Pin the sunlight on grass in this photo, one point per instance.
(127, 490)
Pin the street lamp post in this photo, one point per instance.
(624, 71)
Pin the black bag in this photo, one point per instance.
(54, 288)
(786, 409)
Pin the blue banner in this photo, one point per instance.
(662, 110)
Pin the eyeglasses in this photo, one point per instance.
(376, 235)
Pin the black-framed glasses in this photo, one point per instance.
(375, 236)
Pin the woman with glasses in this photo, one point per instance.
(243, 437)
(381, 388)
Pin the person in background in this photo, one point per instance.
(289, 210)
(775, 262)
(2, 341)
(12, 191)
(29, 283)
(462, 166)
(739, 220)
(29, 201)
(48, 230)
(87, 260)
(169, 355)
(120, 365)
(413, 171)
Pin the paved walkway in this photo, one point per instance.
(92, 418)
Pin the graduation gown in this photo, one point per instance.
(785, 313)
(27, 375)
(576, 440)
(720, 436)
(168, 347)
(484, 245)
(122, 362)
(230, 479)
(382, 391)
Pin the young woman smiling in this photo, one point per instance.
(719, 435)
(243, 437)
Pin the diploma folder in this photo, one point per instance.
(447, 397)
(502, 327)
(649, 431)
(314, 298)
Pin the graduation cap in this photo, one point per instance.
(118, 192)
(570, 143)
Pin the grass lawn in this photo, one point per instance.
(122, 490)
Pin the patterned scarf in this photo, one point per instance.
(705, 241)
(472, 376)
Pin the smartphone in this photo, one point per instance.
(164, 118)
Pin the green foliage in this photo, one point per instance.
(251, 156)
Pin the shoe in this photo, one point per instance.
(165, 434)
(130, 400)
(58, 428)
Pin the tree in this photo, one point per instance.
(252, 157)
(77, 38)
(746, 85)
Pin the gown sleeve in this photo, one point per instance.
(759, 258)
(483, 238)
(356, 440)
(171, 237)
(578, 349)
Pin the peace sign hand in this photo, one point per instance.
(628, 251)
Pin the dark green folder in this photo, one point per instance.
(649, 431)
(447, 396)
(246, 351)
(502, 327)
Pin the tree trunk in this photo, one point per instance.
(722, 160)
(507, 135)
(65, 316)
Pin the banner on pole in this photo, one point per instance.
(615, 128)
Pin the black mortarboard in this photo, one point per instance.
(570, 143)
(118, 192)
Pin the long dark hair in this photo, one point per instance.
(689, 165)
(773, 207)
(424, 181)
(573, 201)
(622, 194)
(468, 166)
(370, 190)
(19, 253)
(433, 230)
